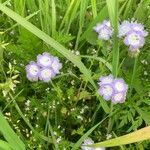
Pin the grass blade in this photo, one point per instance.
(111, 10)
(53, 17)
(73, 58)
(10, 135)
(94, 8)
(137, 136)
(60, 48)
(4, 145)
(79, 142)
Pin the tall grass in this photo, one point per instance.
(46, 29)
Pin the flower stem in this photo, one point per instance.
(133, 76)
(115, 62)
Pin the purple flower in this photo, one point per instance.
(46, 74)
(119, 85)
(45, 69)
(56, 65)
(89, 141)
(124, 28)
(32, 71)
(139, 28)
(104, 30)
(119, 97)
(127, 27)
(114, 89)
(106, 91)
(134, 40)
(106, 80)
(44, 60)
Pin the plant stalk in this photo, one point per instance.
(115, 62)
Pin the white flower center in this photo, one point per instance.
(34, 70)
(45, 61)
(118, 97)
(46, 73)
(134, 39)
(108, 90)
(119, 86)
(104, 33)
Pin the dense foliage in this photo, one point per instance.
(56, 114)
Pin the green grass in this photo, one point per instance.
(63, 113)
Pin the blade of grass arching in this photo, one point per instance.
(60, 48)
(10, 135)
(4, 145)
(28, 17)
(53, 17)
(94, 8)
(137, 136)
(79, 142)
(83, 7)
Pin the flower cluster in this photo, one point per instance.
(104, 30)
(134, 35)
(44, 69)
(114, 89)
(89, 141)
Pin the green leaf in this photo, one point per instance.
(47, 39)
(145, 115)
(111, 10)
(9, 135)
(56, 45)
(4, 145)
(79, 142)
(137, 136)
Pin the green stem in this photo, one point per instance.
(115, 62)
(94, 8)
(27, 121)
(133, 76)
(52, 132)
